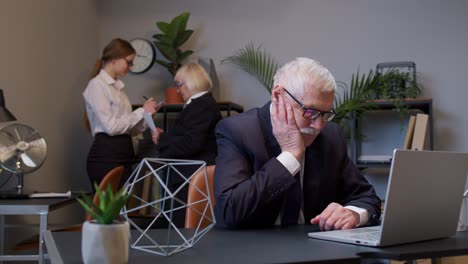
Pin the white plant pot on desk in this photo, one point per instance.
(105, 243)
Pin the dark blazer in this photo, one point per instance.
(192, 135)
(250, 183)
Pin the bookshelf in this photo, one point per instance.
(424, 105)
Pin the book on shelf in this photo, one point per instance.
(421, 133)
(409, 132)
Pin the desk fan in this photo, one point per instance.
(22, 151)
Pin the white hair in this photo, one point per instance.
(300, 73)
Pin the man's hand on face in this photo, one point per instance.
(336, 217)
(284, 126)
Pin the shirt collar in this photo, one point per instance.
(195, 96)
(110, 81)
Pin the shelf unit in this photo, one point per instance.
(422, 104)
(224, 106)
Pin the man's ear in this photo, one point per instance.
(275, 93)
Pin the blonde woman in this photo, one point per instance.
(193, 134)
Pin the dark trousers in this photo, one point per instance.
(108, 152)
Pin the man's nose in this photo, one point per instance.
(317, 124)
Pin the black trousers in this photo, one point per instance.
(108, 152)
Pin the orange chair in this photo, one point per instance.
(113, 178)
(194, 213)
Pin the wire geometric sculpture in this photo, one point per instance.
(149, 185)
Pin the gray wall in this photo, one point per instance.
(343, 35)
(47, 49)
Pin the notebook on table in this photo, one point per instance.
(423, 201)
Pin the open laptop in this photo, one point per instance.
(424, 198)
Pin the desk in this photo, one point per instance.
(266, 246)
(224, 246)
(446, 247)
(175, 108)
(38, 206)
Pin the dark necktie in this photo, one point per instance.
(292, 203)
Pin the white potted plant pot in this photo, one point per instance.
(105, 243)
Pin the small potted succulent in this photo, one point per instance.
(105, 239)
(173, 35)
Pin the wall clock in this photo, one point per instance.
(145, 55)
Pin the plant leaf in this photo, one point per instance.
(163, 26)
(167, 50)
(257, 62)
(182, 38)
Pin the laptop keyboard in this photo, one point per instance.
(365, 235)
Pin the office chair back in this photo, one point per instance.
(113, 179)
(193, 214)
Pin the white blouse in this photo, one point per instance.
(108, 108)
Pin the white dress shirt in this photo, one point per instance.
(294, 166)
(194, 97)
(108, 108)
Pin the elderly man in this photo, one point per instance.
(286, 163)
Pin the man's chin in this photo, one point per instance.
(309, 139)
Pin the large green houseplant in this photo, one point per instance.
(392, 85)
(104, 239)
(257, 62)
(173, 35)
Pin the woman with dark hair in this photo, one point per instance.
(109, 114)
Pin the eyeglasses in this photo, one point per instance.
(129, 63)
(313, 114)
(178, 84)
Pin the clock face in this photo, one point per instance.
(144, 57)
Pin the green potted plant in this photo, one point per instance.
(392, 85)
(353, 101)
(396, 86)
(173, 35)
(105, 239)
(257, 62)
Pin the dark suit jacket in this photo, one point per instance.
(250, 183)
(193, 136)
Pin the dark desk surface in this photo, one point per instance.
(224, 246)
(445, 247)
(289, 245)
